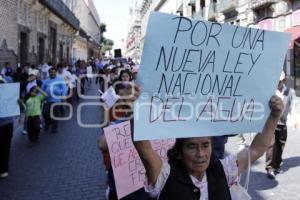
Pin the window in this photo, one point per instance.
(193, 9)
(202, 4)
(263, 13)
(297, 58)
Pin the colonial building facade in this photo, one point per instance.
(8, 32)
(39, 31)
(87, 40)
(45, 31)
(275, 15)
(132, 46)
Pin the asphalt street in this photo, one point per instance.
(68, 165)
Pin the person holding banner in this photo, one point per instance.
(6, 134)
(194, 173)
(120, 112)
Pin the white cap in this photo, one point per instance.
(282, 76)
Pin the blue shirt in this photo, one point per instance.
(99, 65)
(56, 89)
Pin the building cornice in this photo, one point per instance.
(62, 11)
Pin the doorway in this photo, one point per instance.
(52, 45)
(23, 48)
(41, 51)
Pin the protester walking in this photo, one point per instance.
(194, 173)
(117, 114)
(7, 70)
(276, 147)
(56, 90)
(89, 73)
(6, 134)
(44, 70)
(81, 74)
(31, 83)
(33, 112)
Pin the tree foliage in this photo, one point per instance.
(106, 44)
(103, 28)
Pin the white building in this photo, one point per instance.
(87, 40)
(276, 15)
(132, 44)
(45, 30)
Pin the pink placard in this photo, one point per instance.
(129, 172)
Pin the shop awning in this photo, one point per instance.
(295, 31)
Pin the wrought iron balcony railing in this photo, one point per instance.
(254, 4)
(225, 6)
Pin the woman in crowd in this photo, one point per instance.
(126, 76)
(120, 112)
(113, 76)
(81, 74)
(193, 172)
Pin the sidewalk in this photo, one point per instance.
(17, 126)
(286, 184)
(65, 165)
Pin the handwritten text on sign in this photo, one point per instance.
(205, 78)
(9, 95)
(128, 169)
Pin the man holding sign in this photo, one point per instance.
(209, 83)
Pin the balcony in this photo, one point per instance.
(256, 4)
(200, 15)
(191, 2)
(212, 11)
(136, 23)
(62, 11)
(226, 6)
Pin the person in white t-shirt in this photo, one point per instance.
(89, 73)
(45, 69)
(32, 70)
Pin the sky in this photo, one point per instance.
(114, 13)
